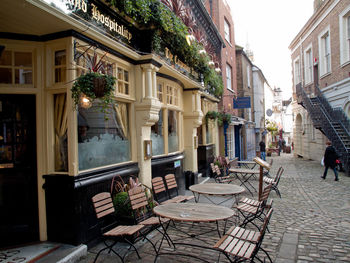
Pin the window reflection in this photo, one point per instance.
(173, 140)
(157, 136)
(103, 142)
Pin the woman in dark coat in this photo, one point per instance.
(330, 157)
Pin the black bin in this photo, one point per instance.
(191, 178)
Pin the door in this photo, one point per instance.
(18, 175)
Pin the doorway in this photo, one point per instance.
(18, 170)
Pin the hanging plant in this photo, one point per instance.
(211, 115)
(224, 118)
(93, 85)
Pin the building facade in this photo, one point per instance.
(320, 60)
(56, 154)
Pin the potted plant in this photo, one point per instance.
(95, 84)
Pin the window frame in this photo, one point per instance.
(229, 77)
(324, 45)
(297, 71)
(227, 30)
(344, 36)
(308, 65)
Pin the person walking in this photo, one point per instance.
(262, 150)
(330, 157)
(279, 146)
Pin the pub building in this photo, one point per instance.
(55, 155)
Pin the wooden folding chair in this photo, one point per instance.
(173, 190)
(104, 208)
(267, 172)
(252, 209)
(143, 214)
(240, 244)
(275, 181)
(160, 193)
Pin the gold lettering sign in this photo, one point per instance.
(176, 60)
(97, 15)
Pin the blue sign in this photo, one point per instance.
(177, 163)
(241, 103)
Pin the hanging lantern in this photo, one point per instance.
(85, 102)
(217, 68)
(190, 37)
(211, 64)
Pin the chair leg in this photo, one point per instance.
(131, 245)
(110, 247)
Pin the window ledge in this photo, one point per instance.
(326, 74)
(345, 64)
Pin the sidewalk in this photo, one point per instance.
(311, 223)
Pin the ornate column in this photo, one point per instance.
(192, 120)
(147, 109)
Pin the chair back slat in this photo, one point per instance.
(266, 192)
(103, 204)
(170, 181)
(158, 185)
(137, 198)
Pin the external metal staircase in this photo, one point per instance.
(332, 122)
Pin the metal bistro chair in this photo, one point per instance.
(143, 215)
(161, 195)
(103, 206)
(251, 209)
(173, 190)
(275, 181)
(240, 244)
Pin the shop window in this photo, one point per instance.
(200, 135)
(103, 141)
(157, 136)
(173, 138)
(16, 67)
(60, 123)
(60, 66)
(209, 134)
(123, 81)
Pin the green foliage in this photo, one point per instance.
(271, 126)
(169, 31)
(84, 85)
(224, 118)
(122, 204)
(211, 115)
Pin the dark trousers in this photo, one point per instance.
(326, 170)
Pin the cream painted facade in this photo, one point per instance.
(143, 104)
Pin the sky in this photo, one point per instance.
(269, 26)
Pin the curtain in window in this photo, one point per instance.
(60, 122)
(122, 118)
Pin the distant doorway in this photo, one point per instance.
(18, 170)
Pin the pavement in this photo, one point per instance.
(310, 223)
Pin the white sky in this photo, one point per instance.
(269, 26)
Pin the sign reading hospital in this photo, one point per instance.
(241, 103)
(92, 12)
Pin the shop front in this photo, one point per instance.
(56, 152)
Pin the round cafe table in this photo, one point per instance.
(219, 190)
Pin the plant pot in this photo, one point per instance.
(99, 87)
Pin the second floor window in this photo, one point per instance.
(297, 78)
(308, 66)
(228, 77)
(227, 31)
(325, 54)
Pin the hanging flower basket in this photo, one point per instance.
(94, 85)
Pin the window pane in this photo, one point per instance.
(60, 75)
(60, 58)
(23, 59)
(60, 128)
(160, 92)
(23, 76)
(157, 136)
(103, 142)
(6, 75)
(5, 59)
(173, 140)
(126, 76)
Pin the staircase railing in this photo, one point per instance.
(322, 113)
(335, 113)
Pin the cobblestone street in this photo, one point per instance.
(311, 223)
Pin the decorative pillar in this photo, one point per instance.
(147, 114)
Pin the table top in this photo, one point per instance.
(217, 189)
(193, 212)
(244, 170)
